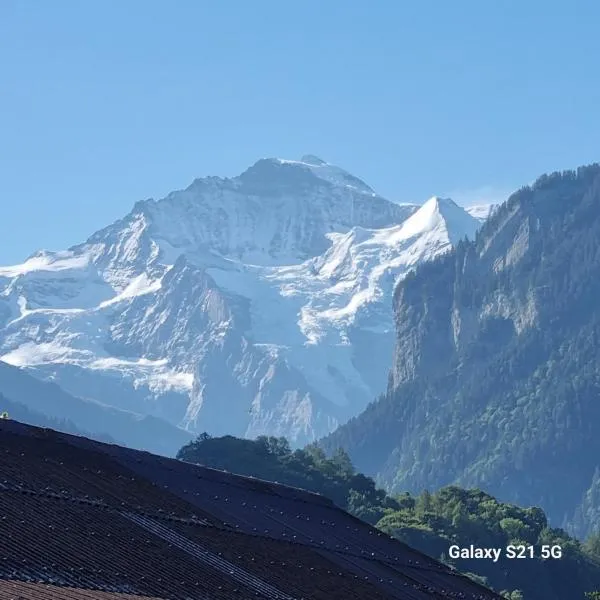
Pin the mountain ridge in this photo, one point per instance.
(277, 280)
(40, 400)
(493, 374)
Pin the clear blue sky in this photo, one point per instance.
(105, 102)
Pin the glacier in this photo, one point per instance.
(258, 304)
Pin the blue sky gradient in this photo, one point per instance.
(106, 102)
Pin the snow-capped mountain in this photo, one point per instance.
(481, 211)
(256, 304)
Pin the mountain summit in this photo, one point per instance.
(329, 173)
(311, 159)
(247, 305)
(443, 217)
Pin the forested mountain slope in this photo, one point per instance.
(496, 379)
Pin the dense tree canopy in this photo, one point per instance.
(271, 458)
(455, 516)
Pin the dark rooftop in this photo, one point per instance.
(84, 520)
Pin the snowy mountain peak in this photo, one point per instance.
(444, 216)
(269, 174)
(329, 173)
(311, 159)
(308, 172)
(268, 291)
(481, 211)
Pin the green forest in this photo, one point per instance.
(430, 522)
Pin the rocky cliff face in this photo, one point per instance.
(494, 381)
(441, 312)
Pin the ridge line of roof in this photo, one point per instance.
(233, 479)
